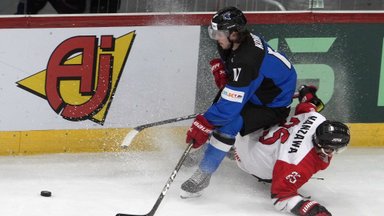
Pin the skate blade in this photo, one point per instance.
(189, 195)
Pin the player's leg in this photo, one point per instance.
(219, 144)
(194, 157)
(252, 118)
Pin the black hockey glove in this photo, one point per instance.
(310, 208)
(308, 94)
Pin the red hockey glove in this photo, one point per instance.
(310, 208)
(304, 108)
(218, 71)
(308, 94)
(199, 131)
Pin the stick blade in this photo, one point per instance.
(129, 138)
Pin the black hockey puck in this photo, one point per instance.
(46, 193)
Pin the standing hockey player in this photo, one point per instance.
(257, 87)
(288, 156)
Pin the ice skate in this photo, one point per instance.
(195, 185)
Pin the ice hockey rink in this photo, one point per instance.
(102, 184)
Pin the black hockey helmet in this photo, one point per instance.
(227, 20)
(332, 135)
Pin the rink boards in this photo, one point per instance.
(109, 140)
(80, 83)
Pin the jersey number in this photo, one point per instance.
(236, 74)
(279, 56)
(282, 133)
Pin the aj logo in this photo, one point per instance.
(82, 75)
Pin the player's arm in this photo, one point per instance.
(308, 100)
(286, 181)
(239, 83)
(235, 94)
(237, 90)
(222, 112)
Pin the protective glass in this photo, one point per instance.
(217, 34)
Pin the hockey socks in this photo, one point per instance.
(212, 159)
(216, 151)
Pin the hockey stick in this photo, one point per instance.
(132, 134)
(167, 185)
(317, 178)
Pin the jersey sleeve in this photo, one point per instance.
(242, 68)
(305, 107)
(288, 178)
(244, 80)
(231, 102)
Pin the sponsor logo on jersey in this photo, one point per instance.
(82, 75)
(300, 134)
(232, 95)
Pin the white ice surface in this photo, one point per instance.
(103, 184)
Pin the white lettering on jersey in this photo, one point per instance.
(232, 95)
(257, 41)
(295, 149)
(236, 74)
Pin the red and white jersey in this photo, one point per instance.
(284, 154)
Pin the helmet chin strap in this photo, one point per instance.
(317, 147)
(328, 154)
